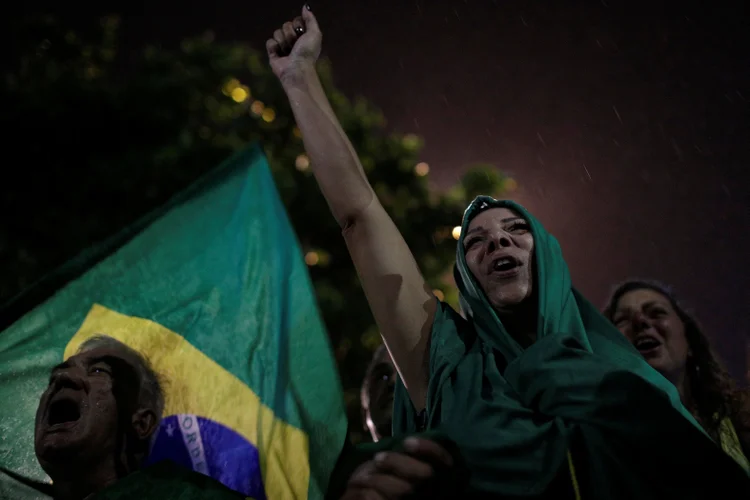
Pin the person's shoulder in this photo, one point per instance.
(449, 320)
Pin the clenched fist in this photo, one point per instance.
(295, 47)
(414, 473)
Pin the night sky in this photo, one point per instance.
(625, 123)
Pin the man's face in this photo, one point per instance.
(77, 418)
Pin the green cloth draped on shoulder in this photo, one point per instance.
(581, 388)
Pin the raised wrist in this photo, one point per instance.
(299, 78)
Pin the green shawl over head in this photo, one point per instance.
(581, 388)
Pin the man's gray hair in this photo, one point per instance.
(151, 394)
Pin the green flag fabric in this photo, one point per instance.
(215, 293)
(579, 404)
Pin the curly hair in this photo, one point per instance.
(714, 393)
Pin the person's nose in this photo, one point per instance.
(72, 378)
(640, 322)
(499, 240)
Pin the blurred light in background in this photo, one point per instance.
(421, 169)
(302, 162)
(230, 86)
(257, 108)
(240, 95)
(411, 141)
(269, 115)
(312, 258)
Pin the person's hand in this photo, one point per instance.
(295, 47)
(395, 475)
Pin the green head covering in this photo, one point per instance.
(554, 291)
(580, 388)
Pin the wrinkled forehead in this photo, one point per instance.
(98, 352)
(121, 362)
(635, 300)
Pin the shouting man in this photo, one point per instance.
(95, 426)
(96, 419)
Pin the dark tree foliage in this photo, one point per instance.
(94, 140)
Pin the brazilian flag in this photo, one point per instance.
(214, 291)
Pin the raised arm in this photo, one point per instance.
(400, 300)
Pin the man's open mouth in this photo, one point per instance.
(63, 412)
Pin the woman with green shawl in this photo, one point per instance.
(542, 395)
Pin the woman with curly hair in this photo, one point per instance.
(672, 342)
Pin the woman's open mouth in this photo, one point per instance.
(647, 345)
(505, 267)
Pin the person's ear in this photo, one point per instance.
(144, 423)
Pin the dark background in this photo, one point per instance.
(626, 124)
